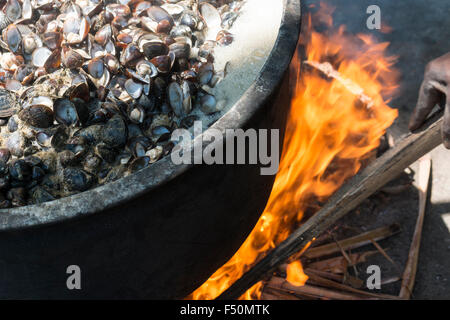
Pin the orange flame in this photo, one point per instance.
(327, 138)
(295, 274)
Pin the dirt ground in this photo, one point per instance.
(421, 30)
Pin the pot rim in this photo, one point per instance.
(127, 188)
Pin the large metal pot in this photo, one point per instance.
(158, 233)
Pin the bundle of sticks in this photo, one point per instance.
(323, 283)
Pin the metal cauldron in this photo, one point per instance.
(156, 234)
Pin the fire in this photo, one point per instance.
(328, 136)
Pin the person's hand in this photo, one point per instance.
(435, 88)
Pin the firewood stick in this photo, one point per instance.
(384, 253)
(334, 265)
(340, 264)
(348, 197)
(316, 279)
(409, 275)
(350, 280)
(353, 242)
(278, 283)
(270, 294)
(327, 70)
(324, 274)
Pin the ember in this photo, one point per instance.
(329, 135)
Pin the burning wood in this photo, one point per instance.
(327, 70)
(356, 190)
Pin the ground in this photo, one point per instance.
(421, 30)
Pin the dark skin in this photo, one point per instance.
(435, 89)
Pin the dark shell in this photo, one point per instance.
(20, 170)
(53, 62)
(103, 35)
(96, 68)
(105, 152)
(39, 116)
(17, 196)
(162, 63)
(77, 179)
(70, 58)
(4, 155)
(155, 48)
(139, 163)
(92, 134)
(65, 112)
(115, 132)
(130, 56)
(158, 14)
(53, 40)
(40, 195)
(181, 50)
(8, 104)
(12, 37)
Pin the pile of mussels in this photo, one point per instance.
(90, 90)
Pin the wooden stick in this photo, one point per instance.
(384, 253)
(278, 283)
(270, 294)
(409, 275)
(327, 70)
(353, 242)
(340, 264)
(348, 197)
(335, 285)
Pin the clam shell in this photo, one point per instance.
(38, 116)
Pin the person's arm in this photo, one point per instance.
(437, 72)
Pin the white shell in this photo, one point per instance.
(40, 56)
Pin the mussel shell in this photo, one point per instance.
(119, 22)
(111, 63)
(38, 116)
(8, 104)
(130, 56)
(103, 35)
(133, 88)
(181, 50)
(139, 163)
(117, 9)
(162, 63)
(40, 195)
(53, 40)
(96, 68)
(12, 37)
(65, 112)
(71, 59)
(4, 155)
(40, 56)
(53, 61)
(13, 10)
(158, 14)
(224, 38)
(175, 97)
(153, 49)
(77, 179)
(115, 132)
